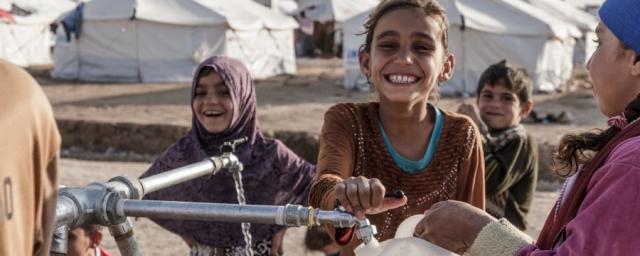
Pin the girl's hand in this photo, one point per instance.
(453, 225)
(361, 196)
(276, 243)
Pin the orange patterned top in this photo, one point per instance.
(351, 144)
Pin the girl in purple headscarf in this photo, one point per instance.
(223, 103)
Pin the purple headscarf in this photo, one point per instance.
(273, 174)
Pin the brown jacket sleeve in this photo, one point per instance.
(471, 175)
(336, 157)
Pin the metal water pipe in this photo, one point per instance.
(78, 206)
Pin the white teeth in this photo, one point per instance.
(402, 79)
(212, 113)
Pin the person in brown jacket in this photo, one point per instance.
(29, 145)
(401, 142)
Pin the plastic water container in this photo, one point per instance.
(404, 243)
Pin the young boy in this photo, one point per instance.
(85, 241)
(510, 154)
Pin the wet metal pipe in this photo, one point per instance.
(289, 215)
(166, 179)
(67, 211)
(126, 241)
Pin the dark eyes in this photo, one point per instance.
(225, 92)
(387, 46)
(419, 47)
(507, 98)
(423, 48)
(502, 98)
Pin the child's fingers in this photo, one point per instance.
(353, 196)
(377, 192)
(341, 196)
(364, 192)
(388, 203)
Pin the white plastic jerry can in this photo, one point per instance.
(404, 243)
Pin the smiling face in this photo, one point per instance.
(500, 108)
(406, 58)
(614, 71)
(212, 103)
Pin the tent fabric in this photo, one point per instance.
(335, 10)
(353, 39)
(513, 17)
(493, 30)
(27, 41)
(115, 48)
(585, 21)
(239, 15)
(567, 12)
(584, 3)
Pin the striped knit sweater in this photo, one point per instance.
(351, 144)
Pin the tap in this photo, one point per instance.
(365, 230)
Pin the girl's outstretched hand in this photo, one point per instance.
(453, 225)
(360, 196)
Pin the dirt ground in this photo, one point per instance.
(293, 103)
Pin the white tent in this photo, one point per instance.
(27, 41)
(571, 14)
(287, 7)
(483, 32)
(164, 40)
(335, 10)
(587, 5)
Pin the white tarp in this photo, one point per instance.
(168, 38)
(571, 14)
(483, 32)
(27, 42)
(584, 3)
(335, 10)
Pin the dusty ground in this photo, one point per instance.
(286, 103)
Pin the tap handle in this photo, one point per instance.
(398, 194)
(230, 146)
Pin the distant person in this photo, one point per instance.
(510, 153)
(85, 241)
(29, 147)
(304, 35)
(597, 212)
(401, 141)
(223, 105)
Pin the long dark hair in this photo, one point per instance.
(575, 150)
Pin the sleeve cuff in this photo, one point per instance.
(499, 238)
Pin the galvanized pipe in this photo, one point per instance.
(289, 215)
(166, 179)
(67, 210)
(126, 241)
(59, 241)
